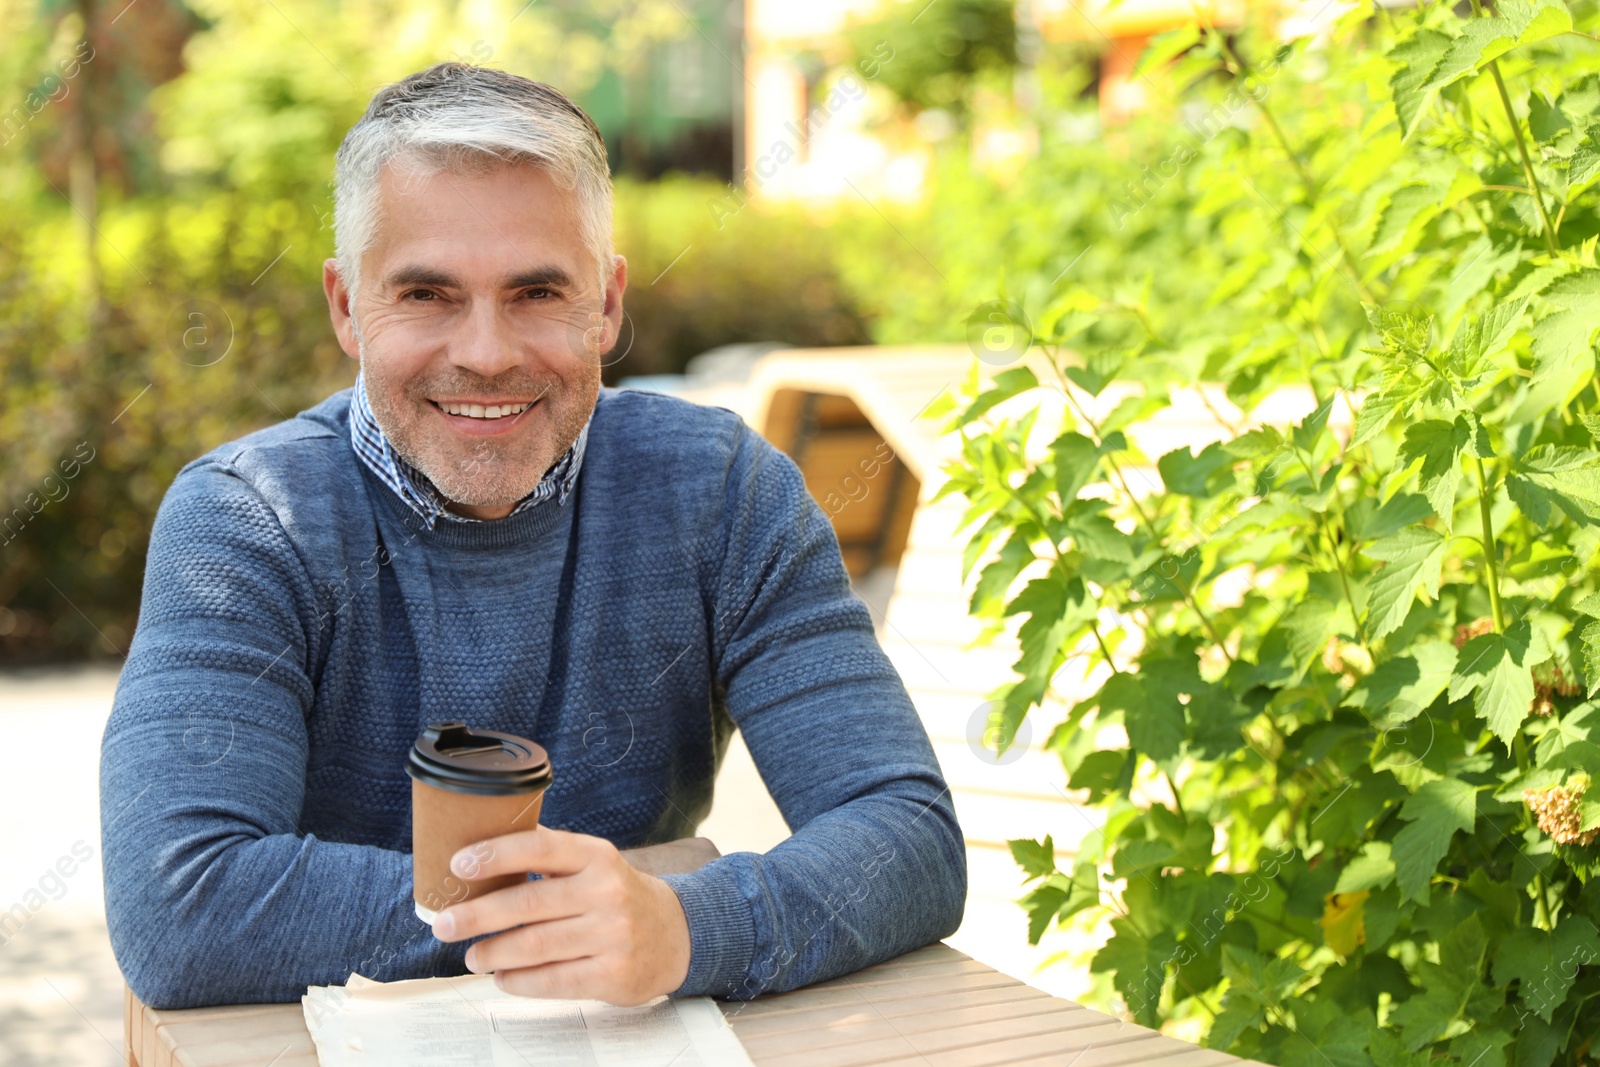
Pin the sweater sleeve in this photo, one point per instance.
(212, 897)
(876, 864)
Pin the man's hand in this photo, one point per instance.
(593, 927)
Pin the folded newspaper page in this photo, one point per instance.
(467, 1022)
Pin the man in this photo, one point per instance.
(479, 531)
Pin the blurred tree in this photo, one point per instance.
(942, 51)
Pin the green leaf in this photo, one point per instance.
(1076, 458)
(1413, 557)
(1483, 40)
(1154, 720)
(1043, 904)
(1544, 963)
(1098, 536)
(1376, 413)
(1485, 336)
(1545, 119)
(1407, 206)
(1551, 477)
(997, 576)
(1007, 384)
(1103, 773)
(1438, 444)
(1478, 443)
(1495, 669)
(1187, 474)
(1054, 608)
(1403, 686)
(1591, 656)
(1549, 19)
(1372, 869)
(1563, 343)
(1416, 58)
(1310, 428)
(1584, 165)
(1036, 858)
(1307, 627)
(1165, 47)
(1435, 813)
(1370, 523)
(1140, 964)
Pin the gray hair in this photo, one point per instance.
(459, 118)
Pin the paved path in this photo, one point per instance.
(60, 990)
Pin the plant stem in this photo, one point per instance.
(1522, 148)
(1104, 651)
(1490, 553)
(1333, 546)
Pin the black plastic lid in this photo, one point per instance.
(486, 762)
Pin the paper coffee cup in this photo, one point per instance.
(466, 786)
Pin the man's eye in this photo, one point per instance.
(419, 294)
(539, 294)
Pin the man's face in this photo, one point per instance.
(480, 328)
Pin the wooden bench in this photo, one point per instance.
(934, 1007)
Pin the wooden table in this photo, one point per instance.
(934, 1007)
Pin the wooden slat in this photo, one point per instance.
(925, 1032)
(148, 1056)
(945, 970)
(788, 1004)
(1191, 1057)
(131, 1016)
(938, 952)
(1110, 1043)
(296, 1051)
(818, 1023)
(972, 1045)
(254, 1038)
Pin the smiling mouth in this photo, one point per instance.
(502, 410)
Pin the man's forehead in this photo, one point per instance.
(511, 222)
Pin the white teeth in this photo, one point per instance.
(478, 411)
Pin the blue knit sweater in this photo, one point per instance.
(300, 626)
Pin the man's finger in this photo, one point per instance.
(585, 979)
(543, 850)
(533, 945)
(517, 905)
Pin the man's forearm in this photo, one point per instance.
(877, 877)
(673, 857)
(212, 898)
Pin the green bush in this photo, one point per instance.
(708, 268)
(1351, 821)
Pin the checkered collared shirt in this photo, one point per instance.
(414, 487)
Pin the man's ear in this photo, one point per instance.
(612, 313)
(344, 325)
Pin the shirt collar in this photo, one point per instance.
(419, 494)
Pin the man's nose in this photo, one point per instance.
(486, 344)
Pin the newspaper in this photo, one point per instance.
(467, 1022)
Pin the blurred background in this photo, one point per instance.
(827, 173)
(788, 175)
